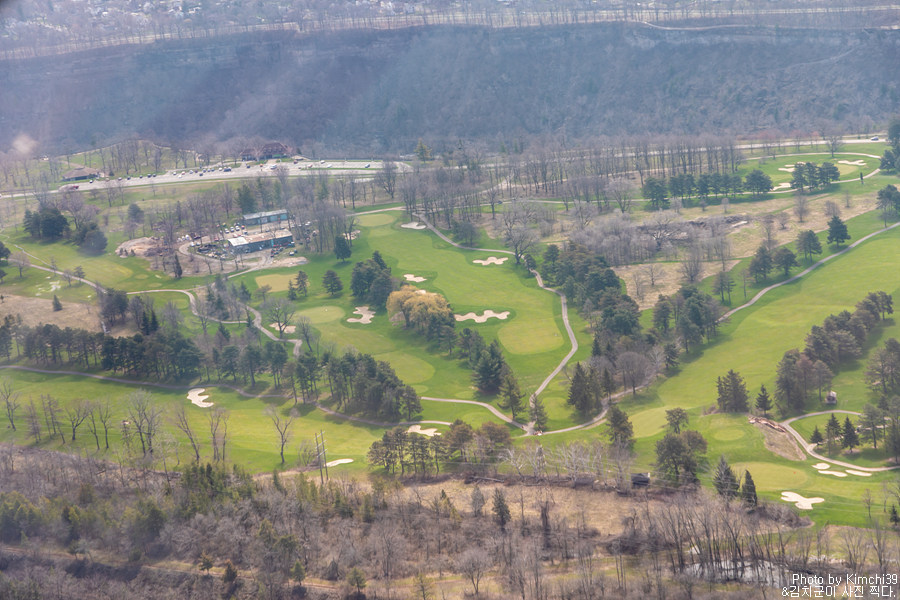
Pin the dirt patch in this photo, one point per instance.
(35, 311)
(144, 246)
(782, 444)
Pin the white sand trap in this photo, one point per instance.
(365, 315)
(413, 278)
(482, 318)
(491, 260)
(421, 292)
(197, 397)
(821, 466)
(287, 328)
(340, 461)
(854, 163)
(782, 185)
(860, 473)
(430, 432)
(801, 502)
(414, 225)
(835, 473)
(787, 169)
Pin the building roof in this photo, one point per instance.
(269, 213)
(81, 172)
(252, 238)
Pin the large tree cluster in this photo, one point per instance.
(840, 338)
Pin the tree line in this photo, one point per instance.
(840, 338)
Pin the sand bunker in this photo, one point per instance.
(414, 225)
(430, 432)
(197, 397)
(365, 315)
(413, 278)
(482, 318)
(800, 502)
(860, 473)
(340, 461)
(491, 260)
(854, 163)
(782, 185)
(821, 466)
(787, 169)
(287, 328)
(835, 473)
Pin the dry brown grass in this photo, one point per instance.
(576, 505)
(668, 280)
(35, 311)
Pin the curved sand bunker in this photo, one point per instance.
(789, 169)
(287, 328)
(853, 163)
(413, 278)
(799, 501)
(835, 473)
(488, 314)
(820, 466)
(340, 461)
(860, 473)
(414, 225)
(365, 315)
(430, 432)
(197, 397)
(491, 260)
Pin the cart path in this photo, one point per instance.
(809, 448)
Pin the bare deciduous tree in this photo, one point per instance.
(282, 425)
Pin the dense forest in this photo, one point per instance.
(375, 91)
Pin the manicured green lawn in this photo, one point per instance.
(752, 343)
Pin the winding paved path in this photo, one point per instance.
(815, 265)
(809, 447)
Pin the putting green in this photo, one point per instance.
(322, 314)
(728, 435)
(771, 477)
(409, 368)
(377, 219)
(278, 282)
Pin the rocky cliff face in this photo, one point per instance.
(375, 91)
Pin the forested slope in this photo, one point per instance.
(376, 91)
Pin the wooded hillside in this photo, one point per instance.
(374, 91)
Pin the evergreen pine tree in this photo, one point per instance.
(816, 437)
(849, 437)
(501, 509)
(763, 401)
(748, 490)
(57, 305)
(537, 413)
(596, 347)
(724, 480)
(895, 518)
(579, 391)
(291, 291)
(832, 432)
(510, 393)
(178, 271)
